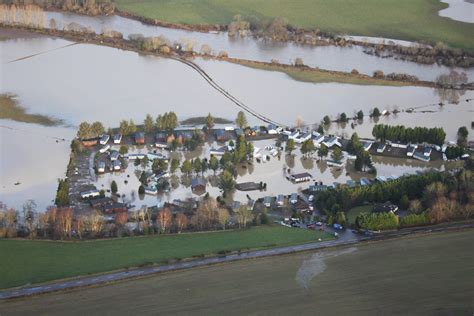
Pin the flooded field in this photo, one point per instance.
(459, 10)
(424, 275)
(325, 57)
(58, 82)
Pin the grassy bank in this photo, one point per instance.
(426, 275)
(415, 20)
(318, 76)
(10, 109)
(25, 261)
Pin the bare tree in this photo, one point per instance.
(222, 217)
(164, 219)
(64, 222)
(181, 222)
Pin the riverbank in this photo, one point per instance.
(147, 271)
(304, 73)
(11, 110)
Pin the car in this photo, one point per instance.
(319, 224)
(337, 226)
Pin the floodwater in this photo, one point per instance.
(325, 57)
(89, 82)
(33, 157)
(272, 172)
(459, 10)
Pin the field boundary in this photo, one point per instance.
(103, 279)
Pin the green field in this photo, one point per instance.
(25, 261)
(424, 275)
(315, 76)
(415, 20)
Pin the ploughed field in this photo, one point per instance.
(423, 275)
(33, 261)
(381, 18)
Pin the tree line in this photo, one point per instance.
(400, 133)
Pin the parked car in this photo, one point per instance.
(337, 226)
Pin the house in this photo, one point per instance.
(317, 188)
(272, 129)
(220, 135)
(381, 148)
(114, 208)
(117, 166)
(236, 206)
(114, 155)
(90, 194)
(152, 190)
(218, 152)
(318, 139)
(152, 156)
(89, 142)
(300, 177)
(427, 151)
(421, 156)
(248, 186)
(351, 183)
(100, 202)
(381, 179)
(333, 163)
(398, 145)
(139, 138)
(267, 201)
(330, 141)
(411, 150)
(239, 132)
(104, 139)
(364, 182)
(198, 185)
(367, 145)
(104, 149)
(250, 204)
(117, 138)
(386, 207)
(294, 135)
(302, 138)
(161, 145)
(135, 156)
(280, 200)
(101, 167)
(294, 198)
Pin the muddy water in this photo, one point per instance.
(32, 159)
(87, 82)
(459, 10)
(272, 172)
(326, 57)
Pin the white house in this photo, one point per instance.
(330, 141)
(117, 138)
(411, 150)
(302, 138)
(427, 151)
(367, 145)
(104, 139)
(294, 198)
(101, 167)
(381, 148)
(104, 149)
(116, 165)
(294, 135)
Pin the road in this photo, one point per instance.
(139, 272)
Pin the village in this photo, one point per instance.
(179, 167)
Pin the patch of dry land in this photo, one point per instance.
(424, 275)
(11, 110)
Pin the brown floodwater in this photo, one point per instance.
(326, 57)
(88, 82)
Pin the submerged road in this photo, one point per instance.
(146, 271)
